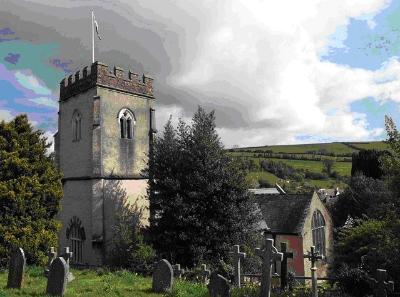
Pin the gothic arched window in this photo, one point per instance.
(76, 236)
(126, 120)
(76, 126)
(318, 232)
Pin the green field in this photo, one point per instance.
(335, 147)
(338, 148)
(377, 145)
(89, 283)
(336, 151)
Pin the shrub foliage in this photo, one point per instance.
(30, 191)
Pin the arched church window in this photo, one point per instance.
(76, 236)
(318, 232)
(76, 126)
(126, 120)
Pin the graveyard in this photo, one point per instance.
(216, 149)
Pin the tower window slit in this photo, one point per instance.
(122, 124)
(129, 128)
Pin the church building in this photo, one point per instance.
(301, 221)
(106, 125)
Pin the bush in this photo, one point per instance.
(30, 192)
(353, 281)
(128, 248)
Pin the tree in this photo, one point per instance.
(30, 191)
(365, 196)
(327, 164)
(367, 162)
(199, 206)
(391, 162)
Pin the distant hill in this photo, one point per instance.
(301, 167)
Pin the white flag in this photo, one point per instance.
(96, 26)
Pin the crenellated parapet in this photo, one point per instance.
(100, 75)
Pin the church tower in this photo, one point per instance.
(105, 130)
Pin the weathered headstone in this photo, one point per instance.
(16, 269)
(177, 270)
(57, 279)
(205, 273)
(313, 256)
(52, 255)
(284, 266)
(380, 286)
(219, 286)
(237, 257)
(268, 255)
(67, 256)
(163, 276)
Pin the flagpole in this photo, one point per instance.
(92, 37)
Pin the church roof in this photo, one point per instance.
(284, 214)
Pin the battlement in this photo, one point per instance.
(100, 75)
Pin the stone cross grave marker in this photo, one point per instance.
(68, 255)
(268, 255)
(163, 277)
(16, 269)
(380, 286)
(205, 273)
(52, 254)
(178, 272)
(57, 279)
(313, 256)
(237, 257)
(219, 286)
(284, 266)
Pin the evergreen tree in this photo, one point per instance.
(198, 196)
(368, 163)
(30, 191)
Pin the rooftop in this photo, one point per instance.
(284, 213)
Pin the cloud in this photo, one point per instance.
(32, 83)
(257, 63)
(12, 58)
(45, 101)
(5, 115)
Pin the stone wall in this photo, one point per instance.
(322, 266)
(124, 157)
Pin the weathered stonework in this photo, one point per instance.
(102, 169)
(101, 76)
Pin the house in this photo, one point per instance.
(300, 220)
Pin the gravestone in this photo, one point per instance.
(163, 277)
(219, 286)
(380, 286)
(237, 257)
(284, 266)
(205, 273)
(268, 255)
(16, 269)
(57, 279)
(313, 256)
(178, 272)
(52, 255)
(67, 256)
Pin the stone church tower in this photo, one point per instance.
(105, 130)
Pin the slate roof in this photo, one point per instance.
(284, 214)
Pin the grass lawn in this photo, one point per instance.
(88, 283)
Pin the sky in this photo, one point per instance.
(275, 72)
